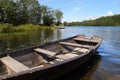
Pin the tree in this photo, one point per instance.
(58, 16)
(18, 12)
(7, 11)
(29, 11)
(65, 23)
(47, 15)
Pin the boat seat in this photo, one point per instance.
(82, 39)
(81, 36)
(14, 64)
(72, 54)
(74, 44)
(50, 53)
(96, 39)
(92, 39)
(66, 56)
(82, 50)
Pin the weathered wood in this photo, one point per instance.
(13, 64)
(81, 49)
(92, 39)
(96, 39)
(76, 45)
(82, 39)
(66, 56)
(50, 53)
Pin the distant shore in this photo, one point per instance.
(102, 21)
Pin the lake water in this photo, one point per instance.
(103, 66)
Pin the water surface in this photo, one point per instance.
(104, 66)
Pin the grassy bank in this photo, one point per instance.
(8, 28)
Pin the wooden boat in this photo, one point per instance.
(48, 61)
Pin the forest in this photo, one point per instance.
(20, 12)
(102, 21)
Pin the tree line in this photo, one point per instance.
(17, 12)
(102, 21)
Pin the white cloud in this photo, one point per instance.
(110, 13)
(75, 19)
(67, 20)
(76, 9)
(93, 17)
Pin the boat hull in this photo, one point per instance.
(55, 71)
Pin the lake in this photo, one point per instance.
(103, 66)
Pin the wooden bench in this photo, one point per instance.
(52, 54)
(13, 64)
(66, 56)
(49, 53)
(82, 50)
(76, 45)
(94, 40)
(82, 39)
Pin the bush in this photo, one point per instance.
(6, 28)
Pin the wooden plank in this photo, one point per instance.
(66, 56)
(88, 40)
(95, 40)
(50, 53)
(74, 44)
(83, 50)
(14, 64)
(61, 56)
(70, 44)
(82, 39)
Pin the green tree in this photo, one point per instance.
(29, 11)
(18, 12)
(8, 11)
(65, 23)
(58, 16)
(47, 15)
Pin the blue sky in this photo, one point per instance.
(79, 10)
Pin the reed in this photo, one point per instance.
(8, 28)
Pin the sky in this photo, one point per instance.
(80, 10)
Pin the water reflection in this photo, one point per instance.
(13, 42)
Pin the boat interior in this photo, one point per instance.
(45, 56)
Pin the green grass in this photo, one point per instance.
(8, 28)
